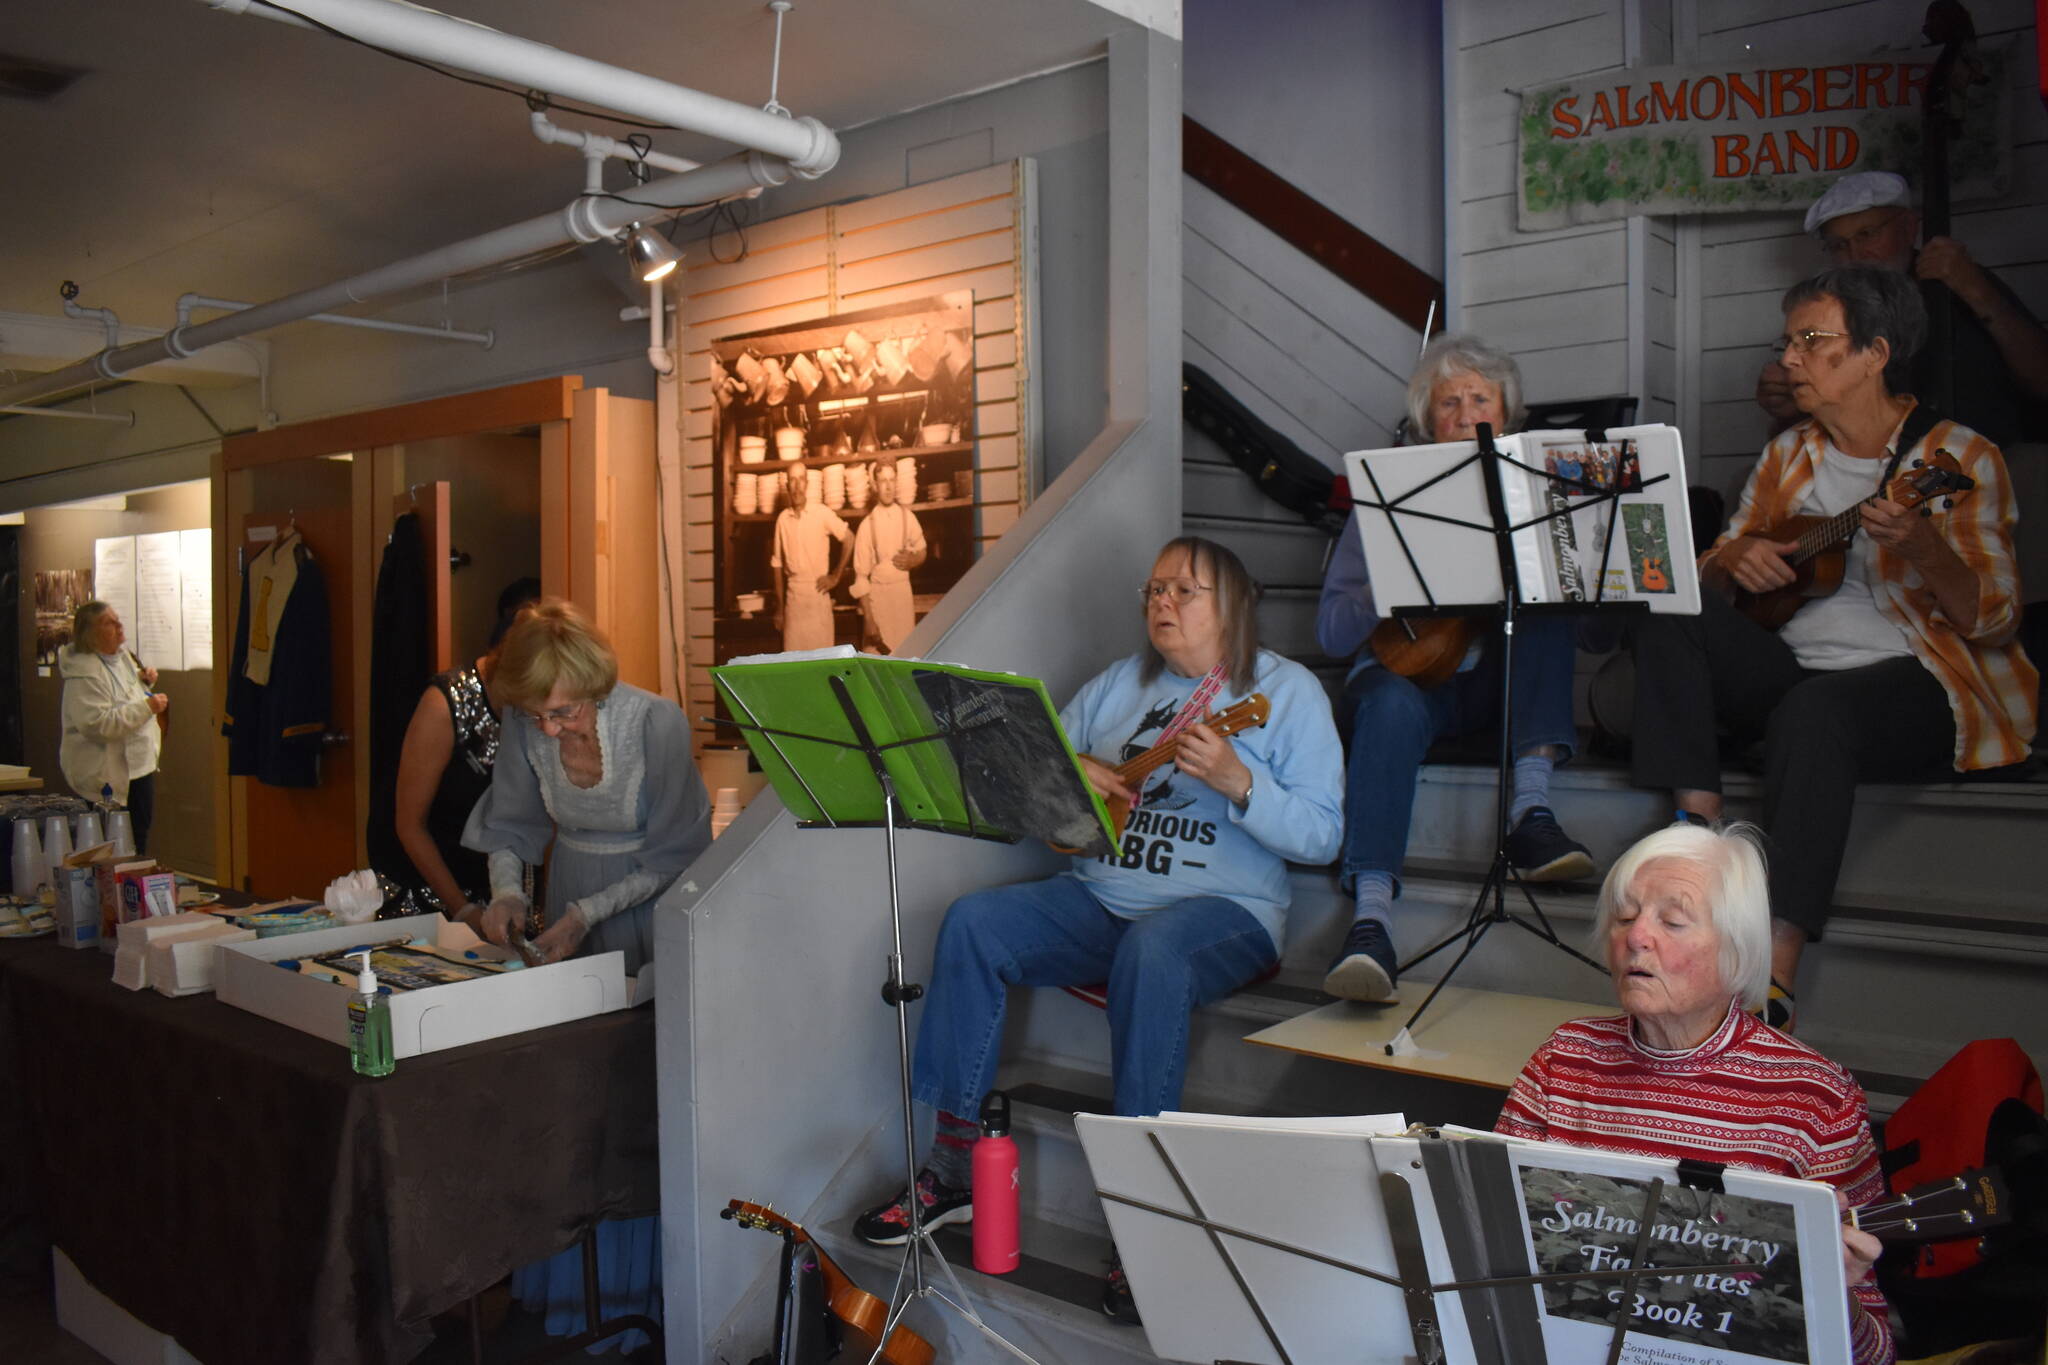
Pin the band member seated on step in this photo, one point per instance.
(1686, 1071)
(1908, 672)
(1459, 383)
(1192, 905)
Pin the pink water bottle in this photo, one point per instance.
(995, 1189)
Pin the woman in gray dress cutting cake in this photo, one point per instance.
(601, 769)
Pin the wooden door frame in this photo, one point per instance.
(376, 438)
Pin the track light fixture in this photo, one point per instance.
(652, 256)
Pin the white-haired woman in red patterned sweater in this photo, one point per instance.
(1687, 1071)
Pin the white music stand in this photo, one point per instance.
(1428, 515)
(1296, 1242)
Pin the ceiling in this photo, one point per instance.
(245, 159)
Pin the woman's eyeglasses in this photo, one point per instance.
(561, 715)
(1801, 342)
(1178, 591)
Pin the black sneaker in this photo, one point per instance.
(1117, 1303)
(1542, 852)
(888, 1225)
(1365, 967)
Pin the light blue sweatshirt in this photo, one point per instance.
(1188, 839)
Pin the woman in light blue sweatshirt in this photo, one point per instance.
(1190, 907)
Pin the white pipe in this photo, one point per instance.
(808, 145)
(584, 220)
(657, 348)
(485, 339)
(599, 146)
(14, 410)
(104, 316)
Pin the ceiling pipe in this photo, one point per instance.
(807, 145)
(104, 316)
(598, 146)
(585, 219)
(126, 419)
(485, 339)
(658, 354)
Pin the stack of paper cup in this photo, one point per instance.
(814, 483)
(768, 492)
(860, 484)
(746, 496)
(30, 867)
(906, 480)
(724, 807)
(835, 485)
(121, 833)
(56, 847)
(88, 834)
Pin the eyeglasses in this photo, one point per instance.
(1178, 591)
(561, 715)
(1838, 247)
(1801, 341)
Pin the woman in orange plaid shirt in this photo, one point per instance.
(1910, 671)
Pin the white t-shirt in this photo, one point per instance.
(803, 542)
(1844, 630)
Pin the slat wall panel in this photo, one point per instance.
(1747, 260)
(963, 232)
(1559, 301)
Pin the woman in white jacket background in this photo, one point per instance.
(111, 737)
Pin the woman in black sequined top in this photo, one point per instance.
(450, 747)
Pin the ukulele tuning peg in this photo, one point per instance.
(1919, 463)
(1927, 511)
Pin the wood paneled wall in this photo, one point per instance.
(973, 231)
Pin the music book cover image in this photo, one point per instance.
(1581, 1221)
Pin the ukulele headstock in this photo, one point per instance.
(1248, 714)
(1937, 476)
(1961, 1206)
(762, 1218)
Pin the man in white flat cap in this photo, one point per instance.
(1999, 351)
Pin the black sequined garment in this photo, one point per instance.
(465, 779)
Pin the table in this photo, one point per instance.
(230, 1182)
(30, 783)
(1479, 1037)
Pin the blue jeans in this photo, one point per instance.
(1054, 933)
(1393, 723)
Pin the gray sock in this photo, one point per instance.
(1373, 898)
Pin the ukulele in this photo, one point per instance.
(1824, 541)
(1248, 714)
(1426, 650)
(860, 1314)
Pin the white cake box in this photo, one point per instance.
(421, 1021)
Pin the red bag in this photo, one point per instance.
(1941, 1131)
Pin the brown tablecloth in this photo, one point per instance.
(229, 1181)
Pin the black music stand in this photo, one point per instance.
(860, 742)
(1489, 907)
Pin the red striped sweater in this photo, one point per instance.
(1750, 1096)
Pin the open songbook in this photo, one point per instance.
(1593, 521)
(1319, 1241)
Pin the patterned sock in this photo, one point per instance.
(953, 1150)
(1373, 897)
(1532, 786)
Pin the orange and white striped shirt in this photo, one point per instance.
(1991, 684)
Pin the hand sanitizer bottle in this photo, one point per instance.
(369, 1024)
